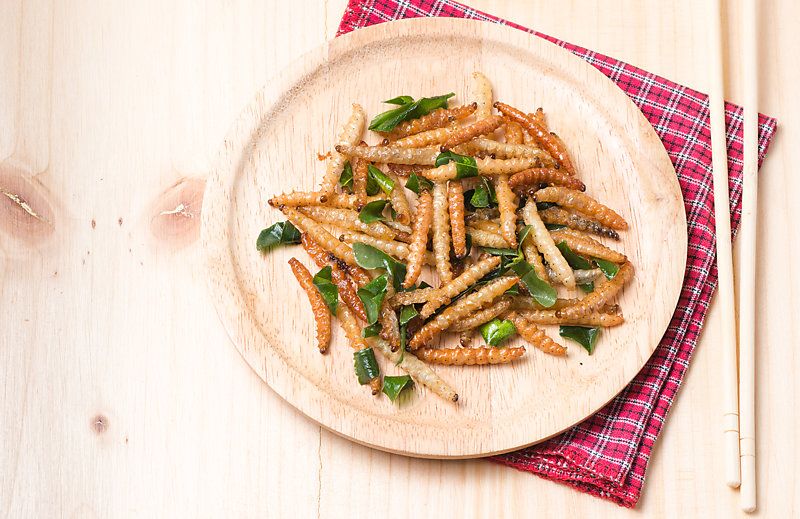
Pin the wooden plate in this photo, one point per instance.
(273, 147)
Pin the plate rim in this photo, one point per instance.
(223, 175)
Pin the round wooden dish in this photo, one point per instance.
(273, 148)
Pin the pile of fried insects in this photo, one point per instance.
(487, 197)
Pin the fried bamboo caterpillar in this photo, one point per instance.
(399, 201)
(557, 216)
(595, 318)
(390, 326)
(419, 239)
(420, 372)
(320, 235)
(347, 219)
(544, 243)
(412, 297)
(352, 331)
(531, 178)
(435, 137)
(360, 174)
(436, 119)
(406, 170)
(482, 316)
(506, 150)
(470, 356)
(507, 204)
(602, 294)
(441, 233)
(460, 309)
(349, 135)
(486, 167)
(470, 131)
(455, 207)
(540, 134)
(583, 203)
(533, 257)
(529, 303)
(344, 284)
(514, 134)
(448, 291)
(487, 225)
(540, 118)
(391, 154)
(481, 90)
(318, 307)
(312, 198)
(393, 248)
(536, 336)
(483, 238)
(583, 244)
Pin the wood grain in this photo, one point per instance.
(272, 148)
(132, 335)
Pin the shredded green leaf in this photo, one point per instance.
(543, 293)
(465, 166)
(408, 109)
(496, 331)
(483, 195)
(406, 314)
(329, 291)
(575, 261)
(372, 295)
(587, 287)
(346, 178)
(586, 337)
(385, 183)
(392, 386)
(417, 184)
(501, 252)
(280, 233)
(554, 226)
(608, 268)
(365, 365)
(373, 212)
(370, 258)
(371, 330)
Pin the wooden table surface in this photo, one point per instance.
(121, 393)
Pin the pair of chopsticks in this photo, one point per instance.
(739, 400)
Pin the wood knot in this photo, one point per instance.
(175, 218)
(99, 424)
(25, 212)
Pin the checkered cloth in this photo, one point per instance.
(607, 454)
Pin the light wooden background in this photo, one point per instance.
(119, 391)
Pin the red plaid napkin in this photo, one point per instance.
(607, 454)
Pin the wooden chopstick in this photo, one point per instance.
(722, 217)
(747, 259)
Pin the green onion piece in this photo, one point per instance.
(329, 291)
(586, 337)
(365, 365)
(280, 233)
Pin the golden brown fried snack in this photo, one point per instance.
(390, 326)
(419, 371)
(435, 119)
(506, 150)
(531, 178)
(405, 170)
(345, 285)
(347, 219)
(544, 243)
(448, 291)
(360, 173)
(602, 294)
(507, 203)
(441, 233)
(481, 90)
(455, 206)
(312, 198)
(557, 216)
(545, 139)
(483, 238)
(583, 203)
(486, 167)
(487, 225)
(535, 336)
(533, 257)
(392, 154)
(349, 135)
(470, 356)
(437, 136)
(393, 248)
(419, 239)
(399, 201)
(540, 118)
(460, 309)
(320, 235)
(595, 318)
(352, 330)
(529, 303)
(514, 134)
(469, 132)
(412, 297)
(583, 244)
(321, 313)
(482, 316)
